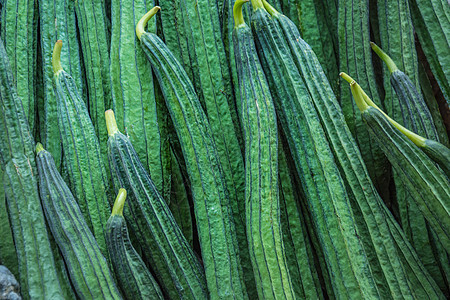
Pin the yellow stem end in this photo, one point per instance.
(237, 13)
(270, 9)
(119, 203)
(111, 124)
(384, 57)
(39, 147)
(56, 57)
(140, 27)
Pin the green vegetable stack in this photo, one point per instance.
(210, 149)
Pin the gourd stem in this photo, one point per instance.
(140, 27)
(119, 203)
(39, 148)
(111, 124)
(56, 57)
(237, 13)
(387, 60)
(418, 140)
(357, 95)
(346, 77)
(257, 4)
(270, 9)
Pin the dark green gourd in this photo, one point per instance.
(262, 212)
(167, 251)
(133, 277)
(212, 205)
(87, 267)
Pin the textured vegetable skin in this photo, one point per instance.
(166, 249)
(133, 277)
(87, 267)
(319, 175)
(87, 176)
(262, 201)
(212, 208)
(37, 272)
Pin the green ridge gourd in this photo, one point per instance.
(37, 272)
(56, 22)
(88, 269)
(95, 45)
(179, 201)
(299, 253)
(18, 33)
(212, 205)
(217, 94)
(324, 187)
(365, 201)
(167, 251)
(133, 277)
(87, 175)
(431, 19)
(411, 110)
(262, 211)
(133, 91)
(355, 57)
(427, 184)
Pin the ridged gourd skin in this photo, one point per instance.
(217, 94)
(37, 272)
(95, 44)
(212, 205)
(87, 176)
(134, 93)
(167, 251)
(179, 201)
(262, 211)
(299, 252)
(409, 108)
(369, 211)
(133, 277)
(431, 20)
(324, 187)
(56, 22)
(355, 58)
(18, 33)
(427, 184)
(87, 267)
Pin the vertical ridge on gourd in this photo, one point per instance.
(133, 277)
(212, 205)
(179, 201)
(431, 19)
(425, 182)
(95, 45)
(215, 91)
(409, 107)
(87, 175)
(18, 33)
(37, 274)
(133, 90)
(315, 31)
(299, 253)
(321, 181)
(263, 225)
(176, 266)
(88, 268)
(56, 22)
(355, 58)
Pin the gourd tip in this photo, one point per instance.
(56, 57)
(270, 9)
(384, 57)
(140, 27)
(111, 124)
(39, 147)
(119, 203)
(237, 13)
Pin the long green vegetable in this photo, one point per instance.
(212, 205)
(88, 269)
(87, 176)
(134, 279)
(177, 268)
(262, 202)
